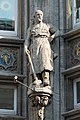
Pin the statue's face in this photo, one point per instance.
(39, 16)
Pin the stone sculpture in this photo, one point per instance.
(40, 55)
(38, 41)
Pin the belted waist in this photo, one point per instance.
(42, 36)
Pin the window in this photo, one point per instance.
(77, 92)
(8, 99)
(8, 17)
(76, 12)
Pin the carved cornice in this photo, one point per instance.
(70, 114)
(10, 78)
(9, 40)
(71, 70)
(73, 34)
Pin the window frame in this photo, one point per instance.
(14, 111)
(75, 24)
(75, 92)
(17, 23)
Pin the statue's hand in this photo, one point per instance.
(55, 56)
(51, 37)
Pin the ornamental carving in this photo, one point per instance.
(9, 58)
(76, 54)
(73, 55)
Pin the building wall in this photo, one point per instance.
(20, 68)
(51, 12)
(66, 65)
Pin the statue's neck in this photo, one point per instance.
(39, 22)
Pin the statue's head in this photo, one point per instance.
(38, 15)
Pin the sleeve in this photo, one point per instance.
(54, 32)
(52, 29)
(27, 40)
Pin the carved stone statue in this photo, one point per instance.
(40, 55)
(38, 42)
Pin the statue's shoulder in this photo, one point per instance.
(30, 29)
(46, 26)
(33, 27)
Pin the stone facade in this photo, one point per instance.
(11, 118)
(66, 65)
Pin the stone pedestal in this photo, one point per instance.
(40, 97)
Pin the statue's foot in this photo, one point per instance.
(46, 82)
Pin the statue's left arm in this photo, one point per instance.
(53, 32)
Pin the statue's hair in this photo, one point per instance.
(38, 11)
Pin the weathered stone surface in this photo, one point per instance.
(6, 117)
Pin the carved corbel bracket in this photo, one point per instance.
(40, 98)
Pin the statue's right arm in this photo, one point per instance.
(27, 40)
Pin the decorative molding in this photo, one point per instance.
(72, 48)
(9, 58)
(40, 97)
(71, 70)
(74, 52)
(8, 117)
(10, 52)
(6, 59)
(73, 34)
(71, 114)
